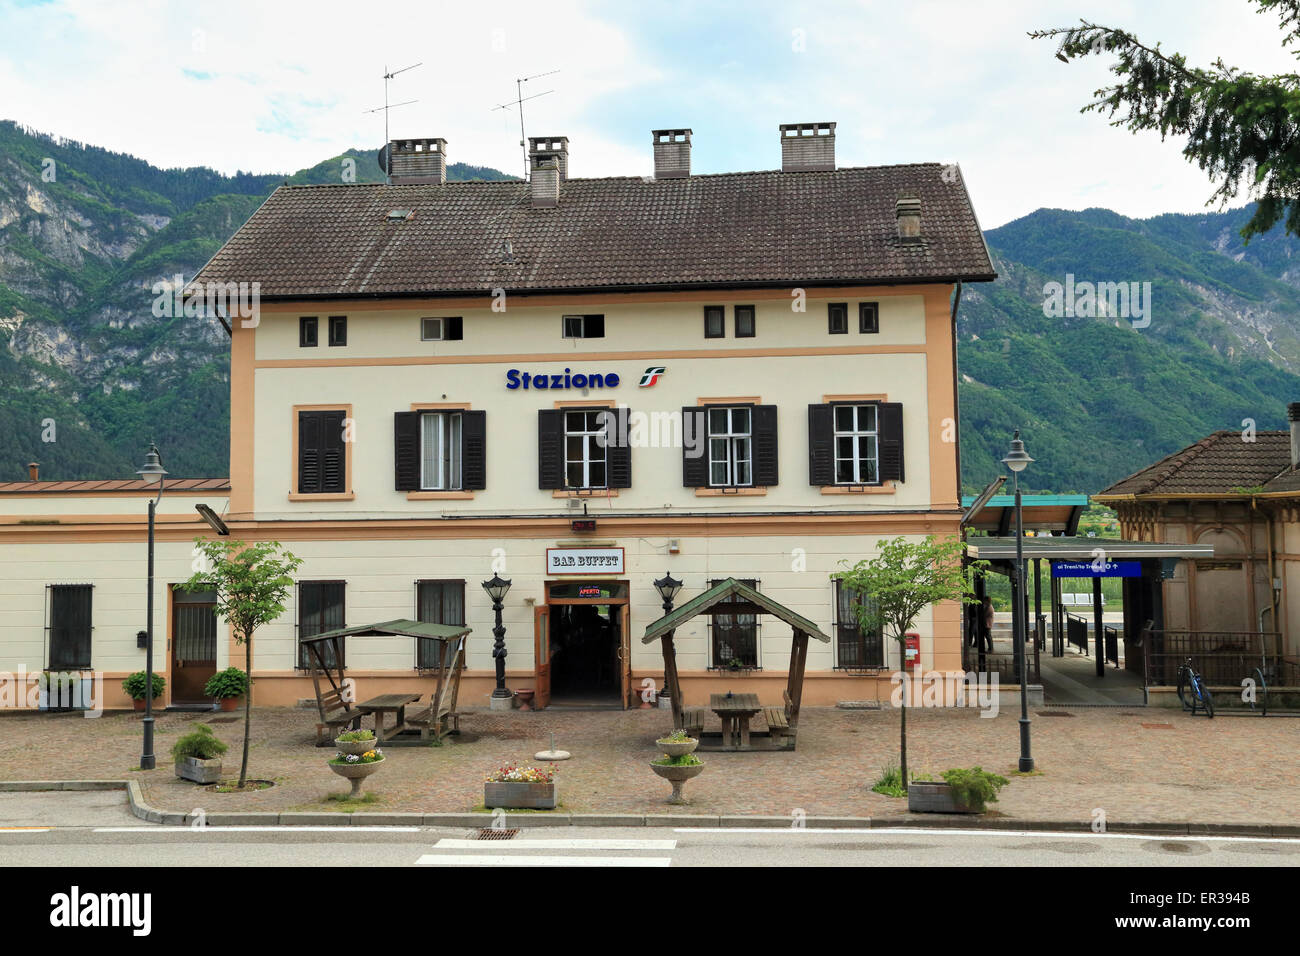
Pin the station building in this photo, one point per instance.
(427, 394)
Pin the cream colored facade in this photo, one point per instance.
(790, 536)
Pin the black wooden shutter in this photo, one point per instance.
(406, 451)
(333, 453)
(891, 441)
(309, 453)
(821, 445)
(550, 448)
(618, 449)
(765, 457)
(473, 450)
(70, 618)
(695, 471)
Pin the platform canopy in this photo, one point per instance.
(1057, 514)
(1081, 549)
(722, 593)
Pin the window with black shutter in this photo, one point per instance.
(307, 336)
(837, 318)
(715, 322)
(891, 442)
(745, 322)
(70, 624)
(765, 449)
(584, 326)
(338, 330)
(855, 648)
(868, 317)
(437, 602)
(321, 608)
(473, 438)
(440, 450)
(695, 447)
(618, 450)
(550, 448)
(853, 443)
(322, 453)
(733, 638)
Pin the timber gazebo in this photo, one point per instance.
(733, 597)
(439, 655)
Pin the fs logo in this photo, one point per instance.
(651, 376)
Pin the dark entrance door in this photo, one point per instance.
(194, 644)
(586, 643)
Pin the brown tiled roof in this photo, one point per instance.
(735, 229)
(1217, 464)
(98, 486)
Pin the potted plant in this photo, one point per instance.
(679, 763)
(735, 664)
(963, 790)
(135, 685)
(355, 767)
(677, 744)
(196, 755)
(61, 690)
(528, 788)
(227, 687)
(355, 742)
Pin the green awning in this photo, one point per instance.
(400, 628)
(721, 592)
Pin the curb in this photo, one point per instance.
(141, 809)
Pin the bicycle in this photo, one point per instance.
(1192, 690)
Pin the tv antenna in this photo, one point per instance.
(388, 75)
(520, 99)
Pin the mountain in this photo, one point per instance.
(89, 375)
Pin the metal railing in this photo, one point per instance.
(1222, 658)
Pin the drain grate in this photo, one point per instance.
(1054, 713)
(487, 833)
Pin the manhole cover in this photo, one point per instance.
(1054, 713)
(487, 833)
(1158, 726)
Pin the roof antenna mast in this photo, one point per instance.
(387, 153)
(520, 99)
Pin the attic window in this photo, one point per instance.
(400, 215)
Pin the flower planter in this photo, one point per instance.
(513, 795)
(677, 748)
(356, 773)
(200, 771)
(677, 776)
(934, 797)
(229, 703)
(355, 747)
(138, 704)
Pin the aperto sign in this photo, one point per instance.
(1096, 569)
(584, 560)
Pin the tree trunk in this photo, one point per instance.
(248, 706)
(902, 739)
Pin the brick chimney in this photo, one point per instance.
(807, 147)
(672, 153)
(545, 184)
(418, 161)
(34, 470)
(1293, 417)
(908, 213)
(541, 148)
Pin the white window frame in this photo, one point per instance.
(739, 446)
(594, 448)
(443, 428)
(430, 338)
(856, 433)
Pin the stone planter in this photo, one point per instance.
(200, 771)
(934, 797)
(356, 773)
(675, 748)
(677, 776)
(513, 795)
(355, 747)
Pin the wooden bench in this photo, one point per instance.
(778, 718)
(693, 720)
(440, 717)
(335, 714)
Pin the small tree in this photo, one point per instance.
(252, 582)
(897, 584)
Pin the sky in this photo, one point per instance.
(277, 86)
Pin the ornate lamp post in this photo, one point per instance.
(668, 586)
(1017, 458)
(497, 589)
(152, 473)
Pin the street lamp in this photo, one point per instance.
(668, 586)
(1017, 458)
(497, 589)
(151, 474)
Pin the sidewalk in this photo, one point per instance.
(1140, 765)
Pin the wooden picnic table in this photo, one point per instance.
(735, 712)
(385, 704)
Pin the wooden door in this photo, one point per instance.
(193, 646)
(624, 655)
(542, 655)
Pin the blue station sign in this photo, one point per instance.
(1096, 569)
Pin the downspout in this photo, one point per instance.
(956, 401)
(1272, 576)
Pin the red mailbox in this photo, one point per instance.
(911, 650)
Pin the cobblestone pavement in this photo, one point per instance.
(1140, 765)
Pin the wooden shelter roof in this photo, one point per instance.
(720, 592)
(400, 628)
